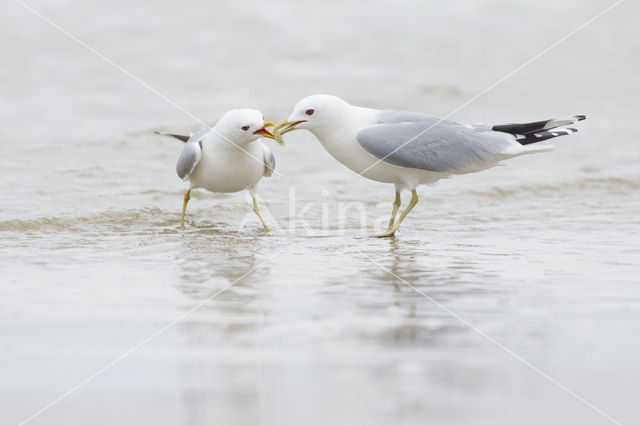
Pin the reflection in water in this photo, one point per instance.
(210, 255)
(261, 343)
(226, 328)
(410, 269)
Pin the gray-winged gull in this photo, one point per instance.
(408, 149)
(227, 157)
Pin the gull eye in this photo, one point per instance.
(245, 128)
(309, 111)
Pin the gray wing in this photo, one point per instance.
(269, 161)
(191, 154)
(433, 145)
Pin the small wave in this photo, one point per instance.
(115, 220)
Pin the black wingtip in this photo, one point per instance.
(581, 117)
(182, 138)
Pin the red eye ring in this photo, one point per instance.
(310, 111)
(245, 128)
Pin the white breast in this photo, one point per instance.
(227, 168)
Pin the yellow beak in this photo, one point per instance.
(283, 128)
(264, 132)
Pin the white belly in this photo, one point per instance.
(227, 168)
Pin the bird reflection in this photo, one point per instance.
(208, 262)
(410, 268)
(221, 382)
(209, 257)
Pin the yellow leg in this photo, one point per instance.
(256, 209)
(392, 230)
(187, 197)
(394, 213)
(412, 204)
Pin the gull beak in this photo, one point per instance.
(286, 126)
(264, 132)
(283, 128)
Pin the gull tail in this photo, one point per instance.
(537, 131)
(183, 138)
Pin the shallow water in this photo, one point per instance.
(316, 323)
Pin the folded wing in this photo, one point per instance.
(269, 161)
(432, 144)
(191, 154)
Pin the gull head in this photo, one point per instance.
(314, 112)
(244, 125)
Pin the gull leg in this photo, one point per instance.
(256, 210)
(187, 197)
(412, 204)
(394, 213)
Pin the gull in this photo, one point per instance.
(227, 157)
(409, 149)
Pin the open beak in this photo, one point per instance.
(283, 128)
(264, 132)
